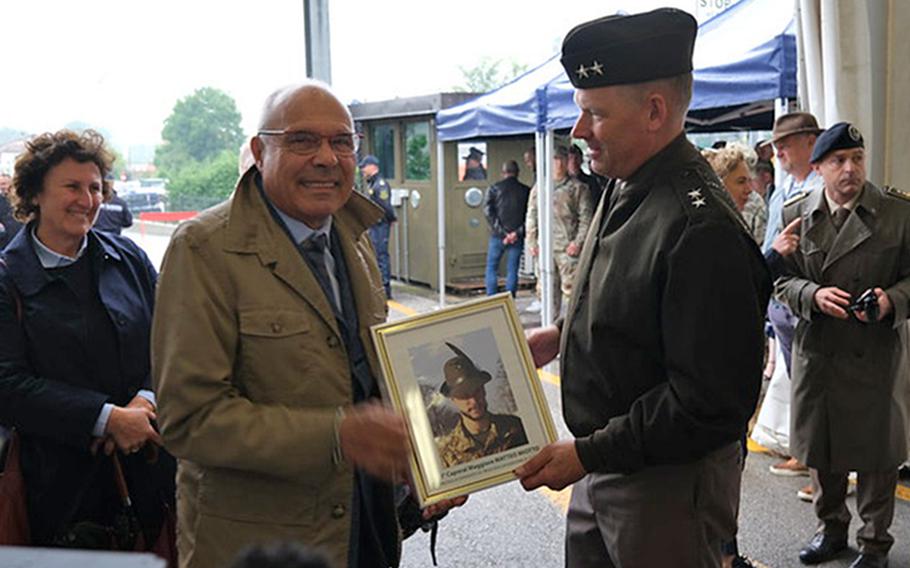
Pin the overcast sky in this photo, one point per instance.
(121, 65)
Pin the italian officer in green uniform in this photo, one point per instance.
(479, 432)
(849, 356)
(661, 350)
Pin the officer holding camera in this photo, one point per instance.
(849, 284)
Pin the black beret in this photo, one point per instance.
(841, 136)
(474, 153)
(620, 50)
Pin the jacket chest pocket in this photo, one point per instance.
(274, 343)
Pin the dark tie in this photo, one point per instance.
(839, 217)
(314, 249)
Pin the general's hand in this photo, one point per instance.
(885, 307)
(573, 249)
(130, 429)
(832, 301)
(535, 251)
(557, 466)
(443, 506)
(375, 439)
(544, 344)
(788, 240)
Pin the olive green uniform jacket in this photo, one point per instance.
(250, 367)
(847, 407)
(662, 349)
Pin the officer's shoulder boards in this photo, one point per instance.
(796, 199)
(894, 192)
(693, 186)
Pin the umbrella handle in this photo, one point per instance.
(120, 480)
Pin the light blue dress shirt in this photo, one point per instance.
(788, 190)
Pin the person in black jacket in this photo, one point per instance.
(114, 215)
(661, 351)
(381, 194)
(504, 207)
(595, 184)
(75, 370)
(9, 226)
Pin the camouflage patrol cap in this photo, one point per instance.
(462, 375)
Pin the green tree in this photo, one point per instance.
(202, 137)
(203, 184)
(418, 161)
(201, 127)
(487, 75)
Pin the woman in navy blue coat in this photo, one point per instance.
(75, 317)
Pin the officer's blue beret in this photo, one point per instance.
(619, 50)
(841, 136)
(369, 160)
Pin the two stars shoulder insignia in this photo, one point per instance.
(595, 68)
(698, 200)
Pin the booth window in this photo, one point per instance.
(382, 137)
(417, 151)
(472, 161)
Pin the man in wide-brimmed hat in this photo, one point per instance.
(478, 432)
(793, 138)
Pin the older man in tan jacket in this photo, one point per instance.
(262, 355)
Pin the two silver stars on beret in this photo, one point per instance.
(584, 72)
(697, 199)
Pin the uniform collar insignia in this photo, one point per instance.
(697, 199)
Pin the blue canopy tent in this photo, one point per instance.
(744, 60)
(743, 56)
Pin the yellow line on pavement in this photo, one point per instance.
(559, 498)
(402, 308)
(548, 377)
(755, 447)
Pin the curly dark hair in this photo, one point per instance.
(47, 150)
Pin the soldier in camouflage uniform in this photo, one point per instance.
(479, 432)
(573, 209)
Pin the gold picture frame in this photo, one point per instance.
(464, 379)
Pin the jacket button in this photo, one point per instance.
(276, 327)
(332, 341)
(121, 320)
(338, 511)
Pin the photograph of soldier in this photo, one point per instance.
(478, 432)
(473, 165)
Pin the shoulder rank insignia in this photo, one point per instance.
(384, 195)
(894, 192)
(796, 199)
(698, 200)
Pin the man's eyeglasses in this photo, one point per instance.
(305, 143)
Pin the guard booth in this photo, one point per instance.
(401, 133)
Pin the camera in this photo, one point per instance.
(867, 303)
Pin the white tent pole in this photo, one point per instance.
(546, 233)
(808, 45)
(541, 175)
(781, 107)
(441, 218)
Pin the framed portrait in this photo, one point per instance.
(464, 380)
